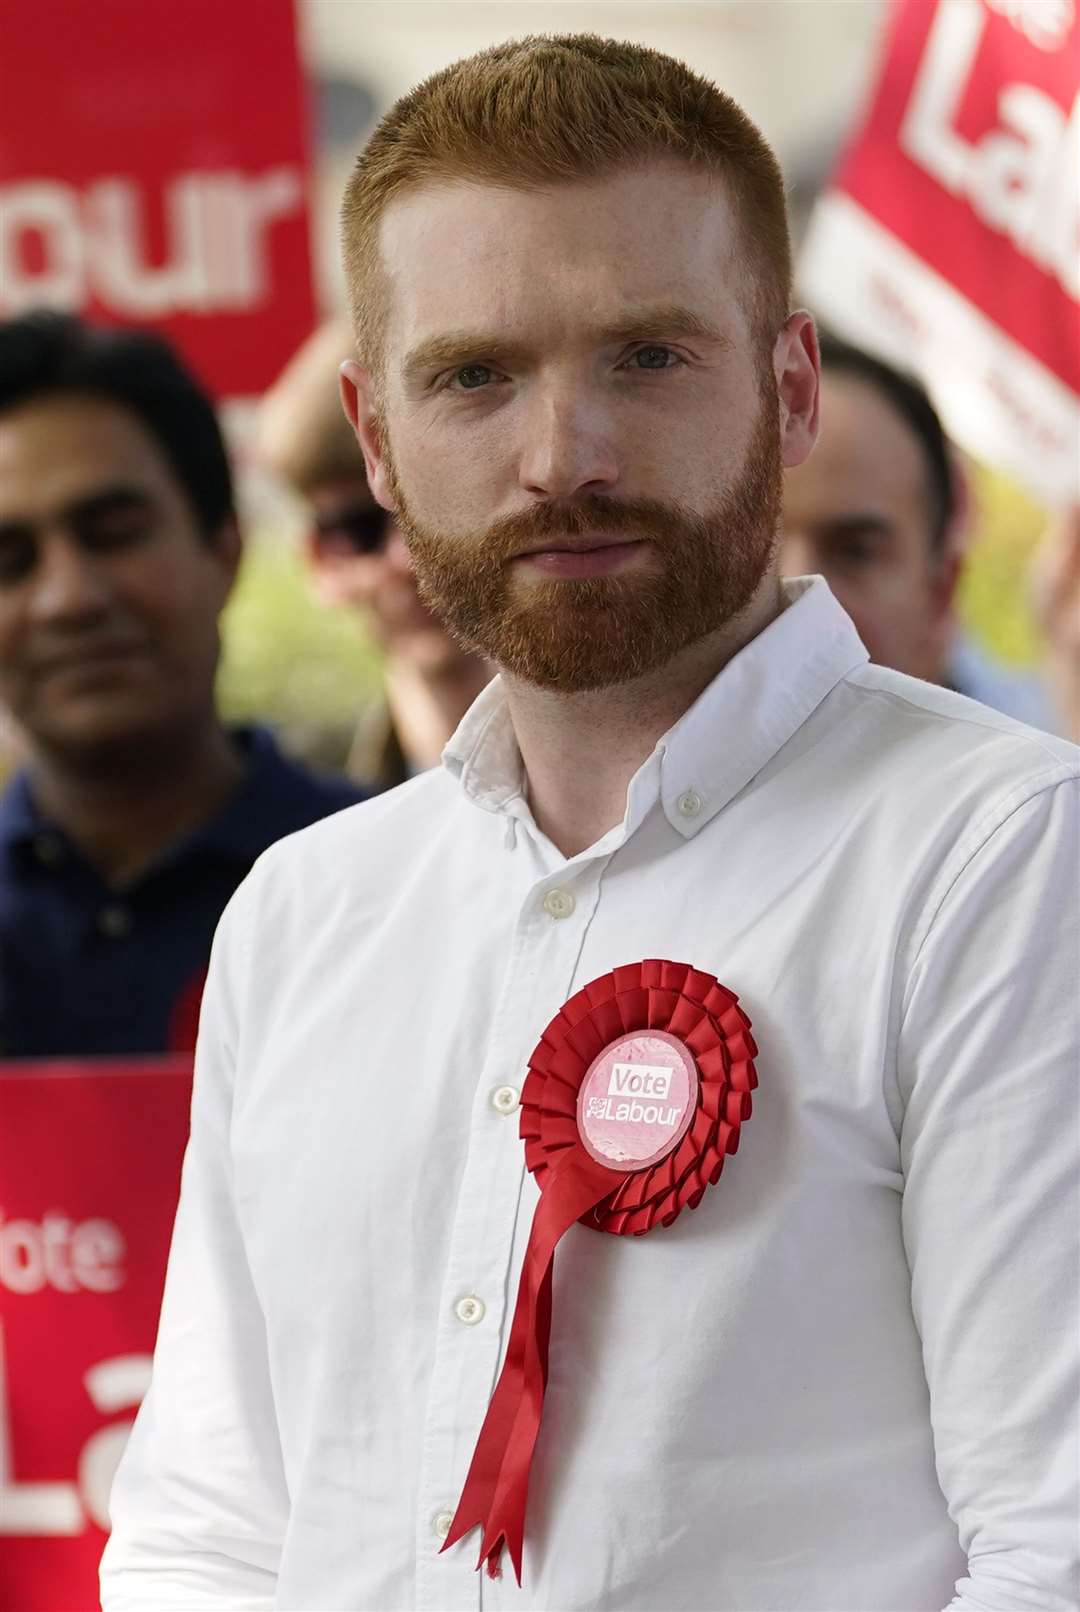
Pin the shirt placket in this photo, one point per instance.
(480, 1281)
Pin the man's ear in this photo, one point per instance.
(228, 548)
(797, 368)
(358, 400)
(947, 564)
(945, 577)
(939, 624)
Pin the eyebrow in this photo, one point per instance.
(877, 527)
(106, 501)
(637, 324)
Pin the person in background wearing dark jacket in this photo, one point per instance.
(138, 812)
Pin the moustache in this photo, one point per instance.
(635, 518)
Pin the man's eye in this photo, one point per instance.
(121, 529)
(853, 554)
(472, 377)
(654, 358)
(18, 556)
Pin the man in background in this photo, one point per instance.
(137, 813)
(357, 557)
(877, 510)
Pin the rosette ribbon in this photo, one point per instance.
(682, 1005)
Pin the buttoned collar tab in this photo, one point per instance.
(483, 753)
(756, 703)
(274, 798)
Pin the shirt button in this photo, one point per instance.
(505, 1099)
(559, 903)
(441, 1523)
(115, 922)
(470, 1310)
(690, 803)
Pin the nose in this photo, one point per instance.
(569, 447)
(68, 585)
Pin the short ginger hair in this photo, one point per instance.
(546, 110)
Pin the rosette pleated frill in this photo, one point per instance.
(684, 1006)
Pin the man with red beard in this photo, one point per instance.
(687, 844)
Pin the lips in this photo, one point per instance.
(93, 658)
(580, 558)
(577, 545)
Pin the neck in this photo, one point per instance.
(427, 704)
(580, 751)
(125, 808)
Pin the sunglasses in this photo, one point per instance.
(361, 528)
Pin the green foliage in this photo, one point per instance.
(288, 660)
(994, 593)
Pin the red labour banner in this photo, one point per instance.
(90, 1160)
(950, 239)
(153, 169)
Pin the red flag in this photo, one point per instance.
(950, 239)
(154, 169)
(89, 1177)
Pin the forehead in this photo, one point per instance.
(559, 258)
(867, 459)
(57, 450)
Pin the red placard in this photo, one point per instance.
(951, 237)
(90, 1159)
(153, 169)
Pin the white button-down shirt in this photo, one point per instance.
(846, 1382)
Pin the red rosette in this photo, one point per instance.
(707, 1019)
(703, 1019)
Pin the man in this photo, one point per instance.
(137, 813)
(357, 557)
(875, 510)
(845, 1380)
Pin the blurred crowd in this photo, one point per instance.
(136, 811)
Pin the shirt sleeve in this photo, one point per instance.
(199, 1504)
(988, 1061)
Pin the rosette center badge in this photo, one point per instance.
(637, 1100)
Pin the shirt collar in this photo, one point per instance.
(267, 805)
(748, 712)
(20, 819)
(272, 800)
